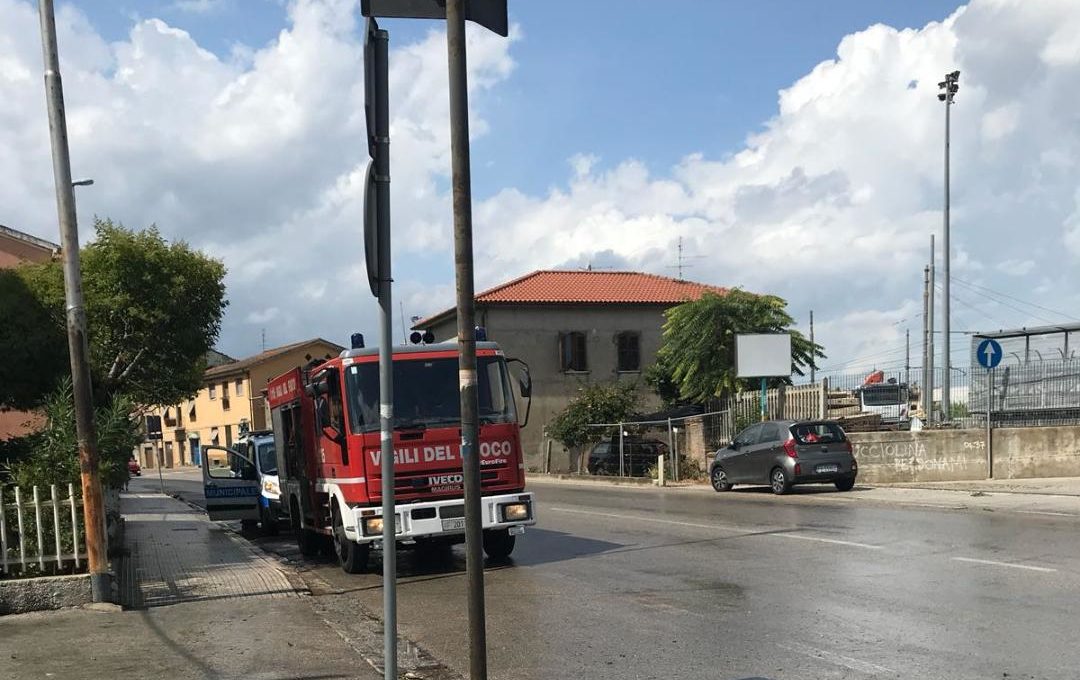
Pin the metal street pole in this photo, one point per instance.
(380, 43)
(813, 360)
(907, 358)
(466, 331)
(949, 87)
(930, 358)
(946, 378)
(926, 343)
(93, 511)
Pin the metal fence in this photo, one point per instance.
(39, 534)
(1028, 395)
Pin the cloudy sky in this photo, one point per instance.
(796, 148)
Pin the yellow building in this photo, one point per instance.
(229, 403)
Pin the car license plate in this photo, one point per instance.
(455, 524)
(824, 469)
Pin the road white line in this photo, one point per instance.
(1004, 564)
(613, 515)
(804, 537)
(1048, 513)
(836, 659)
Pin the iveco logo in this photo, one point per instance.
(440, 480)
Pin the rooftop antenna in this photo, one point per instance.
(681, 262)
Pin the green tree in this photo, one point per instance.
(697, 353)
(35, 346)
(51, 455)
(595, 403)
(153, 310)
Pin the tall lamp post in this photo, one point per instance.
(948, 88)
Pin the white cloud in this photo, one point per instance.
(259, 159)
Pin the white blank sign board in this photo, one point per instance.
(763, 356)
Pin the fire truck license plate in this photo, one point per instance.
(455, 524)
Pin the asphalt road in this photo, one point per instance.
(647, 583)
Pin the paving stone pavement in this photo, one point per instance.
(178, 555)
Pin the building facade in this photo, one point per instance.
(573, 328)
(229, 403)
(18, 248)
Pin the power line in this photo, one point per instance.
(1016, 299)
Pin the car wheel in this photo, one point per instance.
(352, 556)
(248, 526)
(845, 484)
(779, 482)
(498, 544)
(719, 479)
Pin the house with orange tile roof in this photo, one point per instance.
(573, 327)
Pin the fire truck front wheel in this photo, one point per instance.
(498, 543)
(352, 556)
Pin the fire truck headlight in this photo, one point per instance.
(515, 512)
(373, 526)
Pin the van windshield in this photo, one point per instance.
(886, 395)
(426, 393)
(267, 458)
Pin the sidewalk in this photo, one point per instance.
(1051, 486)
(234, 613)
(178, 555)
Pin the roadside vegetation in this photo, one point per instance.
(153, 308)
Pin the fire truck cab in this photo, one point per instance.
(327, 435)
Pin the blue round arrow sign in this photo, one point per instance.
(989, 353)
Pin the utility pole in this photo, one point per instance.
(907, 357)
(264, 339)
(813, 360)
(926, 342)
(949, 87)
(466, 332)
(93, 510)
(404, 328)
(930, 336)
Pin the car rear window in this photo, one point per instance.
(817, 433)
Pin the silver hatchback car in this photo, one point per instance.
(783, 453)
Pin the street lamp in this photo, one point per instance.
(948, 88)
(82, 183)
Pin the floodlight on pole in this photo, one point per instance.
(82, 183)
(949, 88)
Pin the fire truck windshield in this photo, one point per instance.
(426, 393)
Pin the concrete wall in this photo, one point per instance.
(959, 455)
(1036, 452)
(924, 456)
(531, 333)
(18, 596)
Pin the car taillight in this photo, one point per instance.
(789, 449)
(849, 447)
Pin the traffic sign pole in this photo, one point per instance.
(989, 433)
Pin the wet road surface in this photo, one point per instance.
(647, 583)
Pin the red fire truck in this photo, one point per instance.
(326, 431)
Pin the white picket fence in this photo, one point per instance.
(15, 553)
